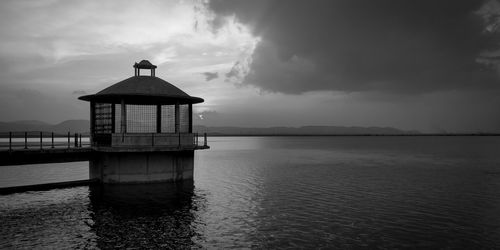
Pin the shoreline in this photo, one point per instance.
(284, 135)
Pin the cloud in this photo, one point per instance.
(79, 92)
(29, 104)
(440, 50)
(210, 75)
(362, 45)
(207, 117)
(61, 47)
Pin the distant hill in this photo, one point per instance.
(73, 126)
(77, 126)
(305, 130)
(83, 126)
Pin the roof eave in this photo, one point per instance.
(142, 99)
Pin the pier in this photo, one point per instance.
(35, 147)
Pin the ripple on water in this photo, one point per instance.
(346, 192)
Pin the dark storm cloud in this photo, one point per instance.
(210, 75)
(353, 45)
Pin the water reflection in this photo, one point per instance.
(156, 215)
(267, 193)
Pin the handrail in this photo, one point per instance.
(179, 140)
(29, 140)
(39, 140)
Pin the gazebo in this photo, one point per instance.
(142, 110)
(141, 129)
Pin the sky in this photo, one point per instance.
(427, 65)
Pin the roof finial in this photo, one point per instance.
(144, 64)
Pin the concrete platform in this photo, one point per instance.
(142, 167)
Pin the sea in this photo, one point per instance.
(296, 192)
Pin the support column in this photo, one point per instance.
(92, 122)
(123, 122)
(177, 117)
(190, 117)
(113, 112)
(158, 118)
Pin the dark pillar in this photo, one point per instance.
(158, 118)
(113, 111)
(177, 118)
(123, 122)
(190, 117)
(92, 121)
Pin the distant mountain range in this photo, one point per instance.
(82, 126)
(73, 126)
(305, 130)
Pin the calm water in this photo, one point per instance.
(276, 192)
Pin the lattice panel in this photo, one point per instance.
(168, 119)
(103, 120)
(141, 118)
(184, 118)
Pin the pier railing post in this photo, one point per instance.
(10, 141)
(52, 139)
(41, 140)
(152, 139)
(76, 140)
(69, 142)
(25, 140)
(80, 140)
(205, 139)
(179, 139)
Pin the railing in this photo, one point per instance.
(41, 140)
(180, 140)
(197, 140)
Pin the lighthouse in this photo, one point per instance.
(141, 130)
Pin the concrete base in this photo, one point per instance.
(142, 167)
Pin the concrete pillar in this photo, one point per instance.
(142, 167)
